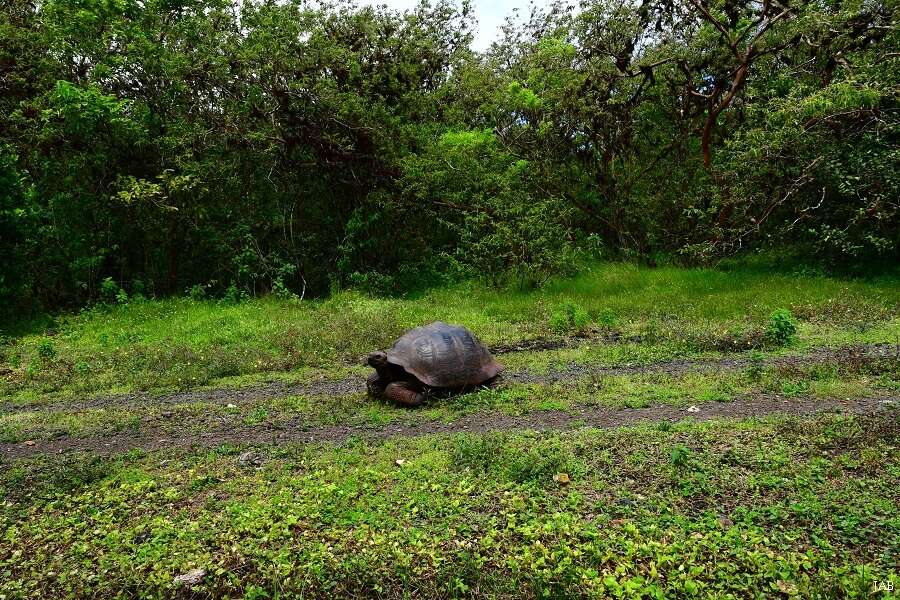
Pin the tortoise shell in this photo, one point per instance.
(445, 356)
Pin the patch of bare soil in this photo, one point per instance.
(848, 355)
(558, 343)
(298, 431)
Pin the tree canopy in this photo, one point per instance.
(206, 146)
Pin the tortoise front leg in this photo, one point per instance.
(405, 393)
(375, 385)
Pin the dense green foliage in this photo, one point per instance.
(160, 146)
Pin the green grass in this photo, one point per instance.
(730, 509)
(181, 343)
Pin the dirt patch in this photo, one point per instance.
(558, 343)
(298, 431)
(356, 385)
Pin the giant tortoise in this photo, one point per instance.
(434, 357)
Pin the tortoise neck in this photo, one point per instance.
(385, 373)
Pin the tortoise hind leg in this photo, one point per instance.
(405, 393)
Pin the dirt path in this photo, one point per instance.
(600, 417)
(356, 385)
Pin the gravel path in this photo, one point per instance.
(599, 417)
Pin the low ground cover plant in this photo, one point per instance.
(763, 507)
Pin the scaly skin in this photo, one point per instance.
(405, 393)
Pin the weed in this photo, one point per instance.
(60, 475)
(259, 415)
(46, 349)
(795, 388)
(537, 460)
(608, 318)
(197, 292)
(756, 367)
(680, 456)
(569, 317)
(474, 452)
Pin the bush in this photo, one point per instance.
(197, 292)
(782, 327)
(111, 293)
(491, 217)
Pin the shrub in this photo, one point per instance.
(782, 327)
(111, 293)
(197, 292)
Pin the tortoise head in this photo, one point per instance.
(377, 360)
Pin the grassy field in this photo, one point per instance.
(182, 343)
(145, 440)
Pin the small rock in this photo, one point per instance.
(30, 443)
(787, 587)
(399, 462)
(693, 409)
(230, 405)
(725, 522)
(192, 577)
(250, 459)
